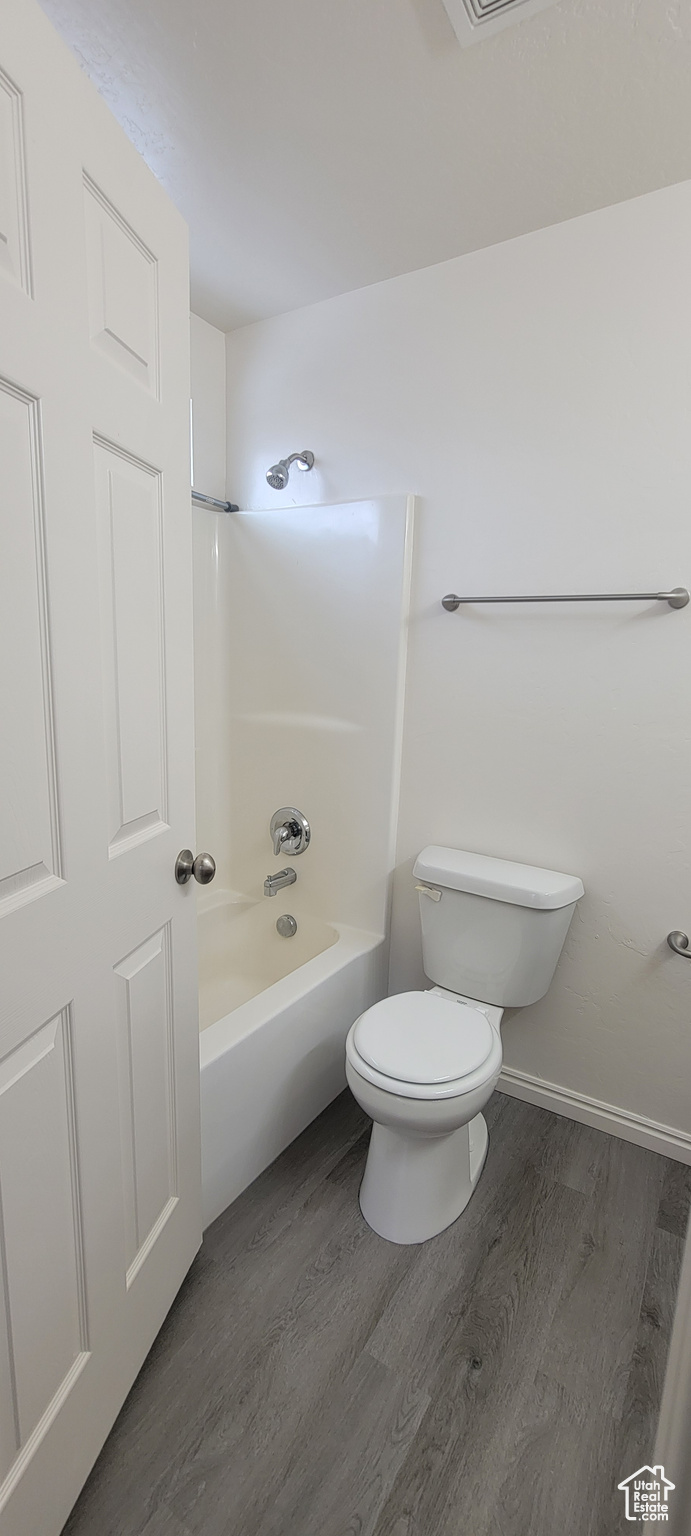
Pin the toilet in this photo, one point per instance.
(424, 1064)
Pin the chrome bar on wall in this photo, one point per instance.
(212, 501)
(677, 598)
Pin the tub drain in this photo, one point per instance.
(286, 926)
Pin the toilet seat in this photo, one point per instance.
(417, 1046)
(421, 1038)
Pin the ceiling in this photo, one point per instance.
(318, 146)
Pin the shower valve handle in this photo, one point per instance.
(289, 831)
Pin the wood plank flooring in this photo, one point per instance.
(314, 1380)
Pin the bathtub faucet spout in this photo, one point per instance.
(275, 883)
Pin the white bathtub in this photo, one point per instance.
(274, 1014)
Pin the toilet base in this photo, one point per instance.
(416, 1186)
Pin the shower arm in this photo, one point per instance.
(306, 459)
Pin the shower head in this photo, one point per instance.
(279, 474)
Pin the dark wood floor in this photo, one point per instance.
(500, 1380)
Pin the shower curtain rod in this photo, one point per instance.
(677, 598)
(212, 501)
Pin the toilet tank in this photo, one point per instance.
(491, 929)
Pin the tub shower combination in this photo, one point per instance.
(307, 692)
(278, 993)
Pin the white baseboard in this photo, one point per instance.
(605, 1117)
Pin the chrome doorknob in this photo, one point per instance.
(203, 867)
(679, 942)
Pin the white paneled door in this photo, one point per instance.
(99, 1139)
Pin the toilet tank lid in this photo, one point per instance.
(521, 884)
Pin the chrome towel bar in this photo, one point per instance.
(212, 501)
(677, 598)
(679, 942)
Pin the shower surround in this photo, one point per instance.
(301, 628)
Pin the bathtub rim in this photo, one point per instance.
(221, 1036)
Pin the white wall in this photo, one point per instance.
(211, 617)
(286, 714)
(208, 384)
(317, 601)
(537, 397)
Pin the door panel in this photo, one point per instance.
(99, 1056)
(129, 507)
(29, 836)
(147, 1089)
(123, 291)
(42, 1230)
(14, 230)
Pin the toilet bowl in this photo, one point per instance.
(423, 1065)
